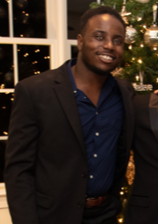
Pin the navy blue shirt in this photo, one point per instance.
(101, 127)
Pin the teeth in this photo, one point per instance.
(106, 57)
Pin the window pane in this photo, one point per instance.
(2, 150)
(6, 100)
(4, 20)
(6, 66)
(29, 18)
(75, 9)
(32, 60)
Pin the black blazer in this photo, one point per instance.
(46, 166)
(143, 204)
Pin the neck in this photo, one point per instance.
(85, 77)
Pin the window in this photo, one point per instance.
(32, 40)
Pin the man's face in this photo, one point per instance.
(101, 45)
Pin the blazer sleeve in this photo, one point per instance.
(20, 159)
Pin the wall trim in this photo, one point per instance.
(3, 200)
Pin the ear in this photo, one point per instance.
(79, 42)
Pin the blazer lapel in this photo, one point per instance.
(129, 113)
(153, 113)
(64, 92)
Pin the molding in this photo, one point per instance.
(3, 200)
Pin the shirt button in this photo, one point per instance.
(96, 113)
(85, 97)
(75, 91)
(91, 176)
(95, 155)
(97, 133)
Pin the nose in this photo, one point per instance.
(108, 44)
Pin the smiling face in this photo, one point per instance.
(101, 44)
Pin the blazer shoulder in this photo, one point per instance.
(45, 78)
(125, 84)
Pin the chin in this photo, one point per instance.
(101, 71)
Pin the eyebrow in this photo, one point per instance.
(101, 31)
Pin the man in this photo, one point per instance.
(143, 203)
(71, 131)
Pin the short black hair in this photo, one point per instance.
(98, 11)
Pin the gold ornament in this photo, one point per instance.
(125, 19)
(130, 35)
(151, 34)
(123, 12)
(130, 173)
(117, 72)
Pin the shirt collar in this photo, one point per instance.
(69, 65)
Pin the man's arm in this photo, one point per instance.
(20, 159)
(123, 151)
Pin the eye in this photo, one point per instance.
(99, 37)
(118, 41)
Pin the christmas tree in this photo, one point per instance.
(139, 64)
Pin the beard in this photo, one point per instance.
(96, 70)
(93, 68)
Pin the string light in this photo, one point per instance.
(5, 133)
(21, 35)
(38, 72)
(157, 80)
(26, 54)
(137, 79)
(121, 193)
(133, 59)
(154, 48)
(4, 107)
(34, 62)
(144, 26)
(139, 18)
(27, 14)
(38, 50)
(47, 57)
(12, 99)
(2, 86)
(130, 47)
(120, 220)
(140, 61)
(141, 45)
